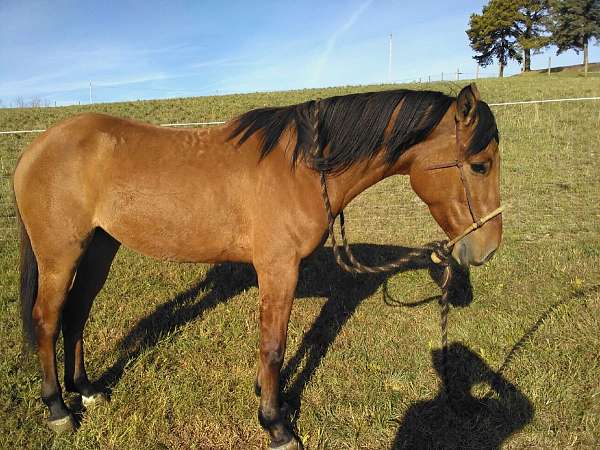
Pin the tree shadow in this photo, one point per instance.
(455, 418)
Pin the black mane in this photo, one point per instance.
(352, 127)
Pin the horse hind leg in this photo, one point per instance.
(91, 274)
(49, 257)
(53, 283)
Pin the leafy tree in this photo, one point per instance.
(505, 28)
(531, 25)
(493, 34)
(574, 23)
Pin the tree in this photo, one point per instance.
(574, 23)
(36, 102)
(493, 34)
(531, 25)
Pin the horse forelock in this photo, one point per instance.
(485, 129)
(356, 127)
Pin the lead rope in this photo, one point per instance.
(438, 253)
(438, 249)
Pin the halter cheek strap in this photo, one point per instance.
(478, 222)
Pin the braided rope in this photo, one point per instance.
(355, 266)
(438, 253)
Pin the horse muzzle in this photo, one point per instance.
(469, 252)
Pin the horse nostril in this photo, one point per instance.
(490, 254)
(485, 259)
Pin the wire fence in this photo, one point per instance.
(220, 122)
(393, 201)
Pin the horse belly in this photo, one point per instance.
(176, 227)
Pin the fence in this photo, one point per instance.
(220, 122)
(370, 214)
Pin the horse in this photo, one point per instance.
(247, 191)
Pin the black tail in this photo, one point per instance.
(29, 284)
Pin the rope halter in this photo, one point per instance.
(439, 253)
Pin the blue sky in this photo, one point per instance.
(157, 49)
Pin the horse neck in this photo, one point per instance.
(439, 145)
(344, 187)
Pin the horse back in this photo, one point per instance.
(176, 194)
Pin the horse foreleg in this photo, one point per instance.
(277, 283)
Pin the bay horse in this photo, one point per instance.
(248, 191)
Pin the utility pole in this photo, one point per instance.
(90, 92)
(477, 73)
(390, 61)
(549, 64)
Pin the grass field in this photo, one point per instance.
(177, 344)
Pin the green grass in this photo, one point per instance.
(178, 342)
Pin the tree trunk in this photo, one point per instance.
(527, 60)
(501, 72)
(585, 55)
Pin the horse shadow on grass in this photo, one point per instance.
(456, 418)
(319, 277)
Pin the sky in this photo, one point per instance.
(130, 50)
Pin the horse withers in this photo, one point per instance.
(247, 191)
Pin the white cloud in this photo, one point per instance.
(324, 57)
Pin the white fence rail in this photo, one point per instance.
(220, 122)
(372, 219)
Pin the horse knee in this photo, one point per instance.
(45, 326)
(272, 355)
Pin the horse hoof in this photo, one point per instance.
(63, 425)
(93, 400)
(293, 444)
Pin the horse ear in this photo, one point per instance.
(466, 104)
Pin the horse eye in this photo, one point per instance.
(479, 168)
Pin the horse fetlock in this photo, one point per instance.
(80, 385)
(93, 400)
(293, 444)
(273, 421)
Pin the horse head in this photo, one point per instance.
(458, 176)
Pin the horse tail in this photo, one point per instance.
(28, 283)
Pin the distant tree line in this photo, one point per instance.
(34, 102)
(514, 29)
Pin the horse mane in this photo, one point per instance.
(352, 128)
